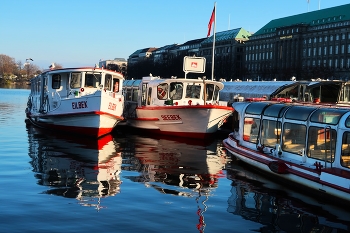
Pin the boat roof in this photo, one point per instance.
(60, 70)
(254, 88)
(155, 81)
(185, 80)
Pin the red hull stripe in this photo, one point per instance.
(81, 113)
(186, 107)
(88, 131)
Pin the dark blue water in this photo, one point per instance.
(129, 182)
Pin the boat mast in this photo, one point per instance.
(213, 52)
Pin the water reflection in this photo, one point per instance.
(82, 169)
(180, 167)
(170, 165)
(89, 170)
(278, 208)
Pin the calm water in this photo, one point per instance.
(127, 182)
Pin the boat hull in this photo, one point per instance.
(96, 120)
(323, 183)
(185, 121)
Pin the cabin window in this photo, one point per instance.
(128, 94)
(135, 94)
(271, 133)
(216, 93)
(75, 80)
(299, 113)
(144, 94)
(209, 89)
(115, 85)
(275, 110)
(92, 79)
(321, 143)
(251, 129)
(345, 150)
(162, 91)
(108, 82)
(56, 81)
(193, 91)
(176, 90)
(294, 138)
(329, 116)
(149, 96)
(345, 93)
(256, 108)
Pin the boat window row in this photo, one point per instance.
(316, 139)
(175, 91)
(85, 79)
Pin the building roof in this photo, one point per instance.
(313, 18)
(137, 52)
(238, 33)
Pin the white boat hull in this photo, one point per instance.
(189, 121)
(321, 182)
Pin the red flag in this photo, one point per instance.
(212, 18)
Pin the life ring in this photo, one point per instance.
(190, 102)
(82, 89)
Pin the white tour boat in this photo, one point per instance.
(180, 107)
(304, 144)
(85, 100)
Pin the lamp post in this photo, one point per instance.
(27, 64)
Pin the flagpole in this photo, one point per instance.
(213, 52)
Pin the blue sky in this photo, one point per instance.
(81, 32)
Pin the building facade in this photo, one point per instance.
(307, 46)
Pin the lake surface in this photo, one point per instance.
(129, 182)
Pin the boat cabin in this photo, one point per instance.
(153, 91)
(313, 133)
(53, 86)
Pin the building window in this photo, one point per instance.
(309, 52)
(330, 50)
(325, 38)
(342, 49)
(331, 38)
(319, 51)
(336, 49)
(325, 50)
(314, 52)
(337, 37)
(320, 39)
(330, 63)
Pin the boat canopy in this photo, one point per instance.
(256, 89)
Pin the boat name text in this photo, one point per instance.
(112, 106)
(80, 104)
(171, 117)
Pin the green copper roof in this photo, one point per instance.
(238, 33)
(313, 18)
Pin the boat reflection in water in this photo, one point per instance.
(278, 208)
(188, 168)
(85, 169)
